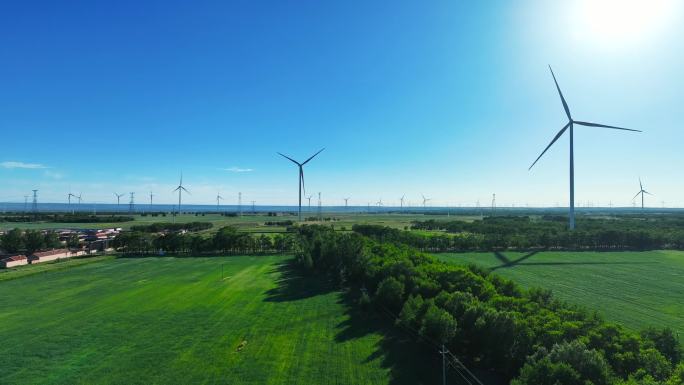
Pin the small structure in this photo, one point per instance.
(14, 260)
(50, 255)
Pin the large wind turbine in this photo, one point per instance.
(301, 177)
(425, 200)
(642, 192)
(69, 198)
(180, 190)
(401, 201)
(571, 123)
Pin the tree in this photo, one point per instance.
(33, 241)
(12, 241)
(438, 325)
(390, 293)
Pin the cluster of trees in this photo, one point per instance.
(522, 232)
(160, 227)
(226, 240)
(279, 223)
(67, 218)
(526, 336)
(28, 241)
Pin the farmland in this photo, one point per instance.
(636, 289)
(176, 320)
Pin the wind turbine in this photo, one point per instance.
(401, 201)
(642, 192)
(118, 200)
(379, 203)
(309, 199)
(301, 177)
(151, 196)
(79, 200)
(571, 123)
(346, 202)
(218, 201)
(69, 199)
(425, 200)
(180, 190)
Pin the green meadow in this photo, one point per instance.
(214, 320)
(636, 289)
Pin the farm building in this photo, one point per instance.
(14, 260)
(50, 255)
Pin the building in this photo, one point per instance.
(14, 260)
(50, 255)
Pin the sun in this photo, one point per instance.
(622, 22)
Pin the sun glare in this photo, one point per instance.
(622, 22)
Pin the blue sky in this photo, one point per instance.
(450, 99)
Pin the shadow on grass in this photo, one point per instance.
(294, 284)
(506, 263)
(408, 362)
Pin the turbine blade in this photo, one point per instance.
(312, 156)
(648, 193)
(558, 135)
(176, 189)
(637, 194)
(184, 189)
(641, 186)
(293, 161)
(589, 124)
(565, 105)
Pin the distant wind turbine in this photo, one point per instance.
(301, 177)
(571, 123)
(642, 192)
(309, 199)
(69, 199)
(401, 201)
(118, 200)
(180, 190)
(218, 201)
(346, 202)
(425, 200)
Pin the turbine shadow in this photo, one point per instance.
(507, 262)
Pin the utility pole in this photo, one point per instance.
(131, 204)
(443, 352)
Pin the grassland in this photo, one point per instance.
(636, 289)
(175, 320)
(253, 223)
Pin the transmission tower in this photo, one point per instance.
(131, 204)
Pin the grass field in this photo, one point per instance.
(247, 223)
(637, 289)
(174, 320)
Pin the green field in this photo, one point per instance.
(636, 289)
(174, 320)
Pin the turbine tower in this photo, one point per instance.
(69, 199)
(425, 201)
(301, 177)
(151, 195)
(180, 190)
(309, 199)
(218, 201)
(570, 125)
(401, 201)
(118, 200)
(346, 202)
(642, 192)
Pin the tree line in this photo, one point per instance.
(29, 241)
(522, 232)
(159, 227)
(226, 240)
(526, 336)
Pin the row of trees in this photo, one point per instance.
(621, 233)
(29, 241)
(165, 226)
(526, 336)
(226, 240)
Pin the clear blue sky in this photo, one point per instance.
(451, 99)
